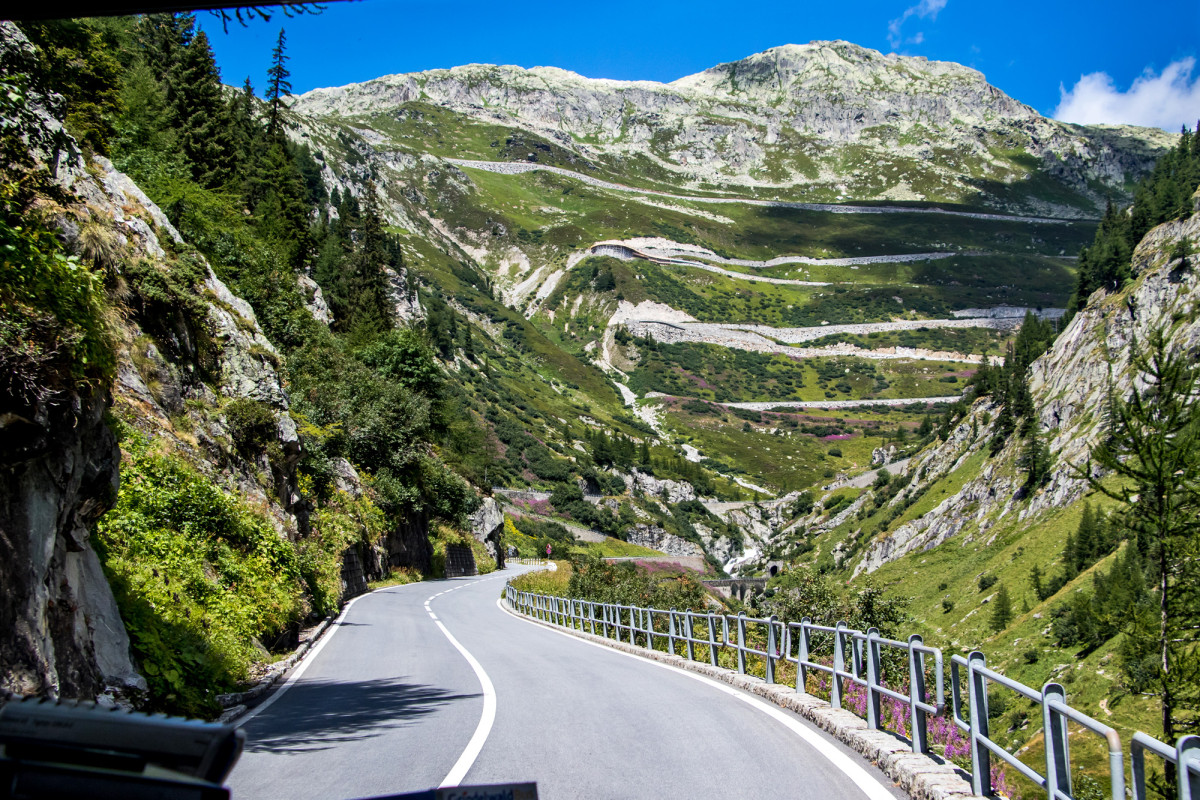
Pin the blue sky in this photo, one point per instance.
(1097, 61)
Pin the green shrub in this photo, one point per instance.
(986, 582)
(342, 522)
(203, 582)
(53, 329)
(252, 425)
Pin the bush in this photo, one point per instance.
(836, 452)
(252, 426)
(947, 606)
(986, 582)
(53, 329)
(202, 581)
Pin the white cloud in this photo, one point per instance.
(1168, 100)
(926, 9)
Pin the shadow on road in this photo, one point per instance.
(320, 715)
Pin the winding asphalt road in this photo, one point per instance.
(387, 703)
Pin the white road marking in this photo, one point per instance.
(867, 783)
(465, 761)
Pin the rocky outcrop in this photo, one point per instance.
(721, 547)
(314, 300)
(658, 539)
(882, 456)
(403, 298)
(487, 526)
(178, 365)
(671, 491)
(63, 634)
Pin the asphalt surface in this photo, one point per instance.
(386, 704)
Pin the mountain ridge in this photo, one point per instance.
(828, 120)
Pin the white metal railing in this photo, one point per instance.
(857, 657)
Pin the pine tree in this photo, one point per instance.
(1002, 611)
(278, 86)
(1154, 449)
(198, 113)
(1069, 558)
(1035, 581)
(1035, 461)
(1086, 539)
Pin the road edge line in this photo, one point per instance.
(920, 776)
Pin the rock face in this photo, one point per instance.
(656, 538)
(487, 525)
(63, 633)
(314, 300)
(1069, 384)
(671, 491)
(854, 121)
(403, 298)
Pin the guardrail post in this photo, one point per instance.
(918, 728)
(771, 644)
(712, 639)
(839, 665)
(741, 641)
(1187, 754)
(671, 632)
(874, 717)
(1058, 753)
(632, 628)
(802, 657)
(981, 762)
(691, 634)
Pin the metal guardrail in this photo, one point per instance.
(857, 657)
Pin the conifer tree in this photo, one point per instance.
(198, 113)
(1035, 581)
(244, 131)
(1002, 611)
(1154, 449)
(1086, 539)
(278, 86)
(1035, 461)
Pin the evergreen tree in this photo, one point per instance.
(1069, 559)
(1086, 539)
(1035, 461)
(1154, 449)
(1002, 611)
(244, 132)
(198, 113)
(74, 58)
(1035, 581)
(278, 86)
